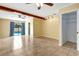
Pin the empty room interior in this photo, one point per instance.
(39, 29)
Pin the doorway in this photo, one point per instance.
(69, 30)
(17, 28)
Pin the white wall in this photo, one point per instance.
(72, 31)
(78, 30)
(29, 20)
(72, 28)
(64, 29)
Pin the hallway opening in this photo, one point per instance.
(17, 28)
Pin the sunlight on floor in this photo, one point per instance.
(17, 42)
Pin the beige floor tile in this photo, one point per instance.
(36, 47)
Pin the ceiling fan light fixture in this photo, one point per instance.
(39, 5)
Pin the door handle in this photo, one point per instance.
(77, 32)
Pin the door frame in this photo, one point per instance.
(28, 28)
(60, 33)
(77, 30)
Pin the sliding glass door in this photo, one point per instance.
(17, 28)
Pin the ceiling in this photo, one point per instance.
(32, 8)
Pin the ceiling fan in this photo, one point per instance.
(39, 5)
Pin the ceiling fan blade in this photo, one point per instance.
(49, 4)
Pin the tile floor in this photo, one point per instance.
(34, 47)
(69, 44)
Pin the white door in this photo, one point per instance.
(78, 30)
